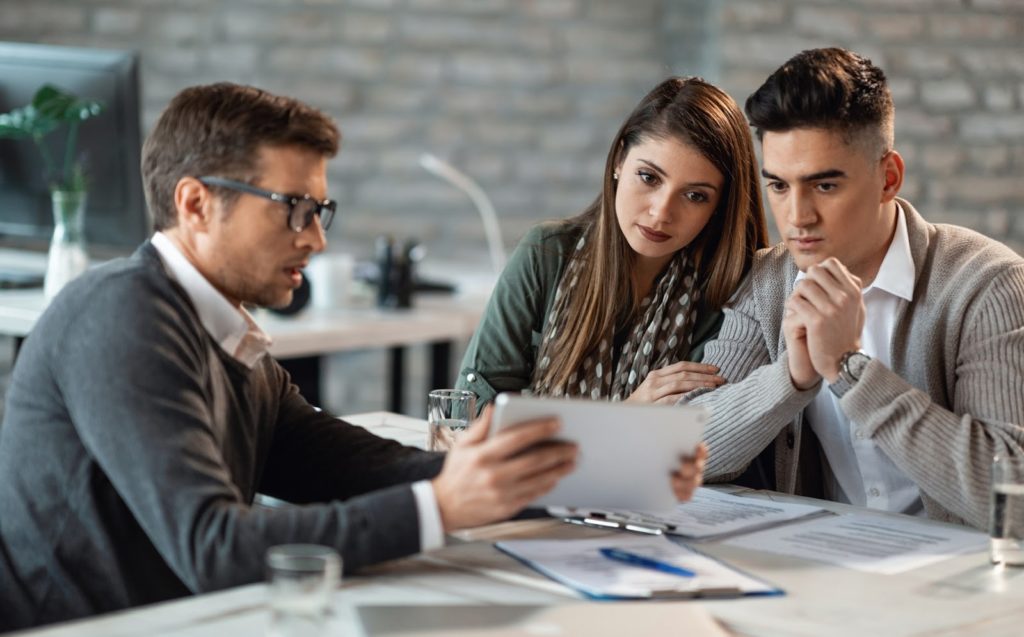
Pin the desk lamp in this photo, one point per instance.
(437, 166)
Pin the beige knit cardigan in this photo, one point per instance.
(953, 398)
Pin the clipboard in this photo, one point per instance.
(627, 451)
(580, 565)
(710, 514)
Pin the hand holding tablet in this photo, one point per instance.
(488, 479)
(626, 452)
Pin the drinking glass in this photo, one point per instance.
(1006, 526)
(302, 578)
(449, 411)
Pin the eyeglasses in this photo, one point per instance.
(301, 209)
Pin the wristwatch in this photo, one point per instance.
(851, 367)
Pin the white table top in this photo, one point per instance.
(963, 595)
(314, 330)
(407, 430)
(19, 310)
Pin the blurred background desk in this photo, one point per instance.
(303, 339)
(437, 321)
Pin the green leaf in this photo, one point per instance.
(25, 122)
(54, 104)
(11, 130)
(50, 108)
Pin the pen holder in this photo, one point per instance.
(395, 280)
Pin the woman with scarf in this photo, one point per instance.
(618, 302)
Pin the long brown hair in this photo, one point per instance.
(706, 118)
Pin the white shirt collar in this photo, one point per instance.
(231, 327)
(896, 274)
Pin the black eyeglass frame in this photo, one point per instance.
(296, 222)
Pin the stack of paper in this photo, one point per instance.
(871, 543)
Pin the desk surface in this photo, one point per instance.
(313, 331)
(964, 595)
(317, 331)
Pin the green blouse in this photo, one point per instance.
(503, 350)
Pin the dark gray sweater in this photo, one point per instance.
(133, 445)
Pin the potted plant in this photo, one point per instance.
(50, 110)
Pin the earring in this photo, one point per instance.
(615, 176)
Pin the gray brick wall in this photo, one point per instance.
(525, 95)
(957, 72)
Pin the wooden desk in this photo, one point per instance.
(964, 595)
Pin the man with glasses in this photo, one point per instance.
(144, 413)
(872, 357)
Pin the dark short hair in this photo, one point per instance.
(832, 89)
(218, 129)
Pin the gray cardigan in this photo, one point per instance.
(132, 447)
(953, 398)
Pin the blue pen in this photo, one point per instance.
(639, 560)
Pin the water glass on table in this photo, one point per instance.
(1007, 513)
(449, 411)
(302, 578)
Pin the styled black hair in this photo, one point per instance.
(832, 89)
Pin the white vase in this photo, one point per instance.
(67, 257)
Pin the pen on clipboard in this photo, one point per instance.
(626, 557)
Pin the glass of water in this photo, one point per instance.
(302, 578)
(449, 411)
(1007, 513)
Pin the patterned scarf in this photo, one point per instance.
(661, 334)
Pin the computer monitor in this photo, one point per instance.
(116, 220)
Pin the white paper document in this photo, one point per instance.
(711, 513)
(870, 543)
(580, 565)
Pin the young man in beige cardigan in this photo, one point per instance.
(872, 357)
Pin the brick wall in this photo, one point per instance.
(957, 72)
(525, 95)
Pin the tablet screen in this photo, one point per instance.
(627, 451)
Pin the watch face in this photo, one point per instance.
(856, 364)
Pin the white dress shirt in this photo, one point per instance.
(232, 327)
(864, 475)
(237, 333)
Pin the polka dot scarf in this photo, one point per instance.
(661, 335)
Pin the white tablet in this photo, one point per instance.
(627, 451)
